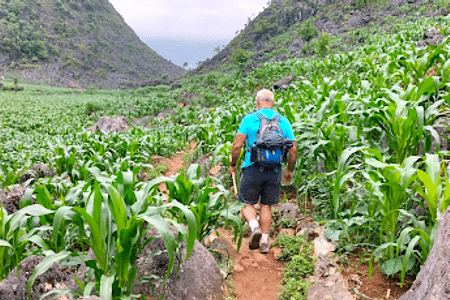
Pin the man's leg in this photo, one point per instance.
(266, 222)
(266, 218)
(249, 213)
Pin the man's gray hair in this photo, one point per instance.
(265, 95)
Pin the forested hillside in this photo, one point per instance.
(82, 42)
(301, 28)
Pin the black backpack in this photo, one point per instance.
(270, 148)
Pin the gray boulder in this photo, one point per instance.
(199, 277)
(358, 19)
(37, 171)
(282, 83)
(328, 282)
(396, 3)
(431, 36)
(296, 46)
(433, 280)
(289, 211)
(56, 277)
(11, 198)
(107, 124)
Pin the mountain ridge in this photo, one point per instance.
(293, 28)
(85, 43)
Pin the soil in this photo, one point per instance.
(379, 286)
(256, 276)
(175, 164)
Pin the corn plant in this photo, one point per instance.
(16, 234)
(391, 185)
(436, 192)
(116, 231)
(344, 172)
(210, 204)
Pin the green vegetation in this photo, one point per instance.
(299, 266)
(241, 57)
(308, 31)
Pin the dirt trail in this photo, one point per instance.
(256, 276)
(174, 164)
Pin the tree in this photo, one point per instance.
(185, 64)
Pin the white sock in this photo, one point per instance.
(253, 224)
(264, 238)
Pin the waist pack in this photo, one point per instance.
(270, 148)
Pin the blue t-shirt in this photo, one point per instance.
(250, 126)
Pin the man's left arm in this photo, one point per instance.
(288, 173)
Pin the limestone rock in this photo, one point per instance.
(107, 124)
(56, 277)
(322, 246)
(199, 277)
(38, 171)
(359, 19)
(289, 211)
(431, 36)
(282, 83)
(11, 198)
(175, 86)
(433, 280)
(331, 288)
(296, 46)
(329, 283)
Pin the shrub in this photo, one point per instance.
(241, 57)
(308, 32)
(93, 107)
(248, 45)
(310, 48)
(211, 78)
(323, 44)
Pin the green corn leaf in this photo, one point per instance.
(117, 206)
(106, 283)
(98, 200)
(431, 196)
(433, 167)
(97, 242)
(4, 243)
(192, 225)
(58, 220)
(408, 261)
(88, 288)
(166, 235)
(426, 86)
(36, 210)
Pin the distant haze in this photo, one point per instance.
(182, 50)
(187, 30)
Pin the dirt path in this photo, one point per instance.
(256, 276)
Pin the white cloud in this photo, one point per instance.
(188, 18)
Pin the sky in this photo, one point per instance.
(187, 30)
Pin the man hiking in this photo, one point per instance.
(269, 140)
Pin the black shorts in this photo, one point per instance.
(259, 181)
